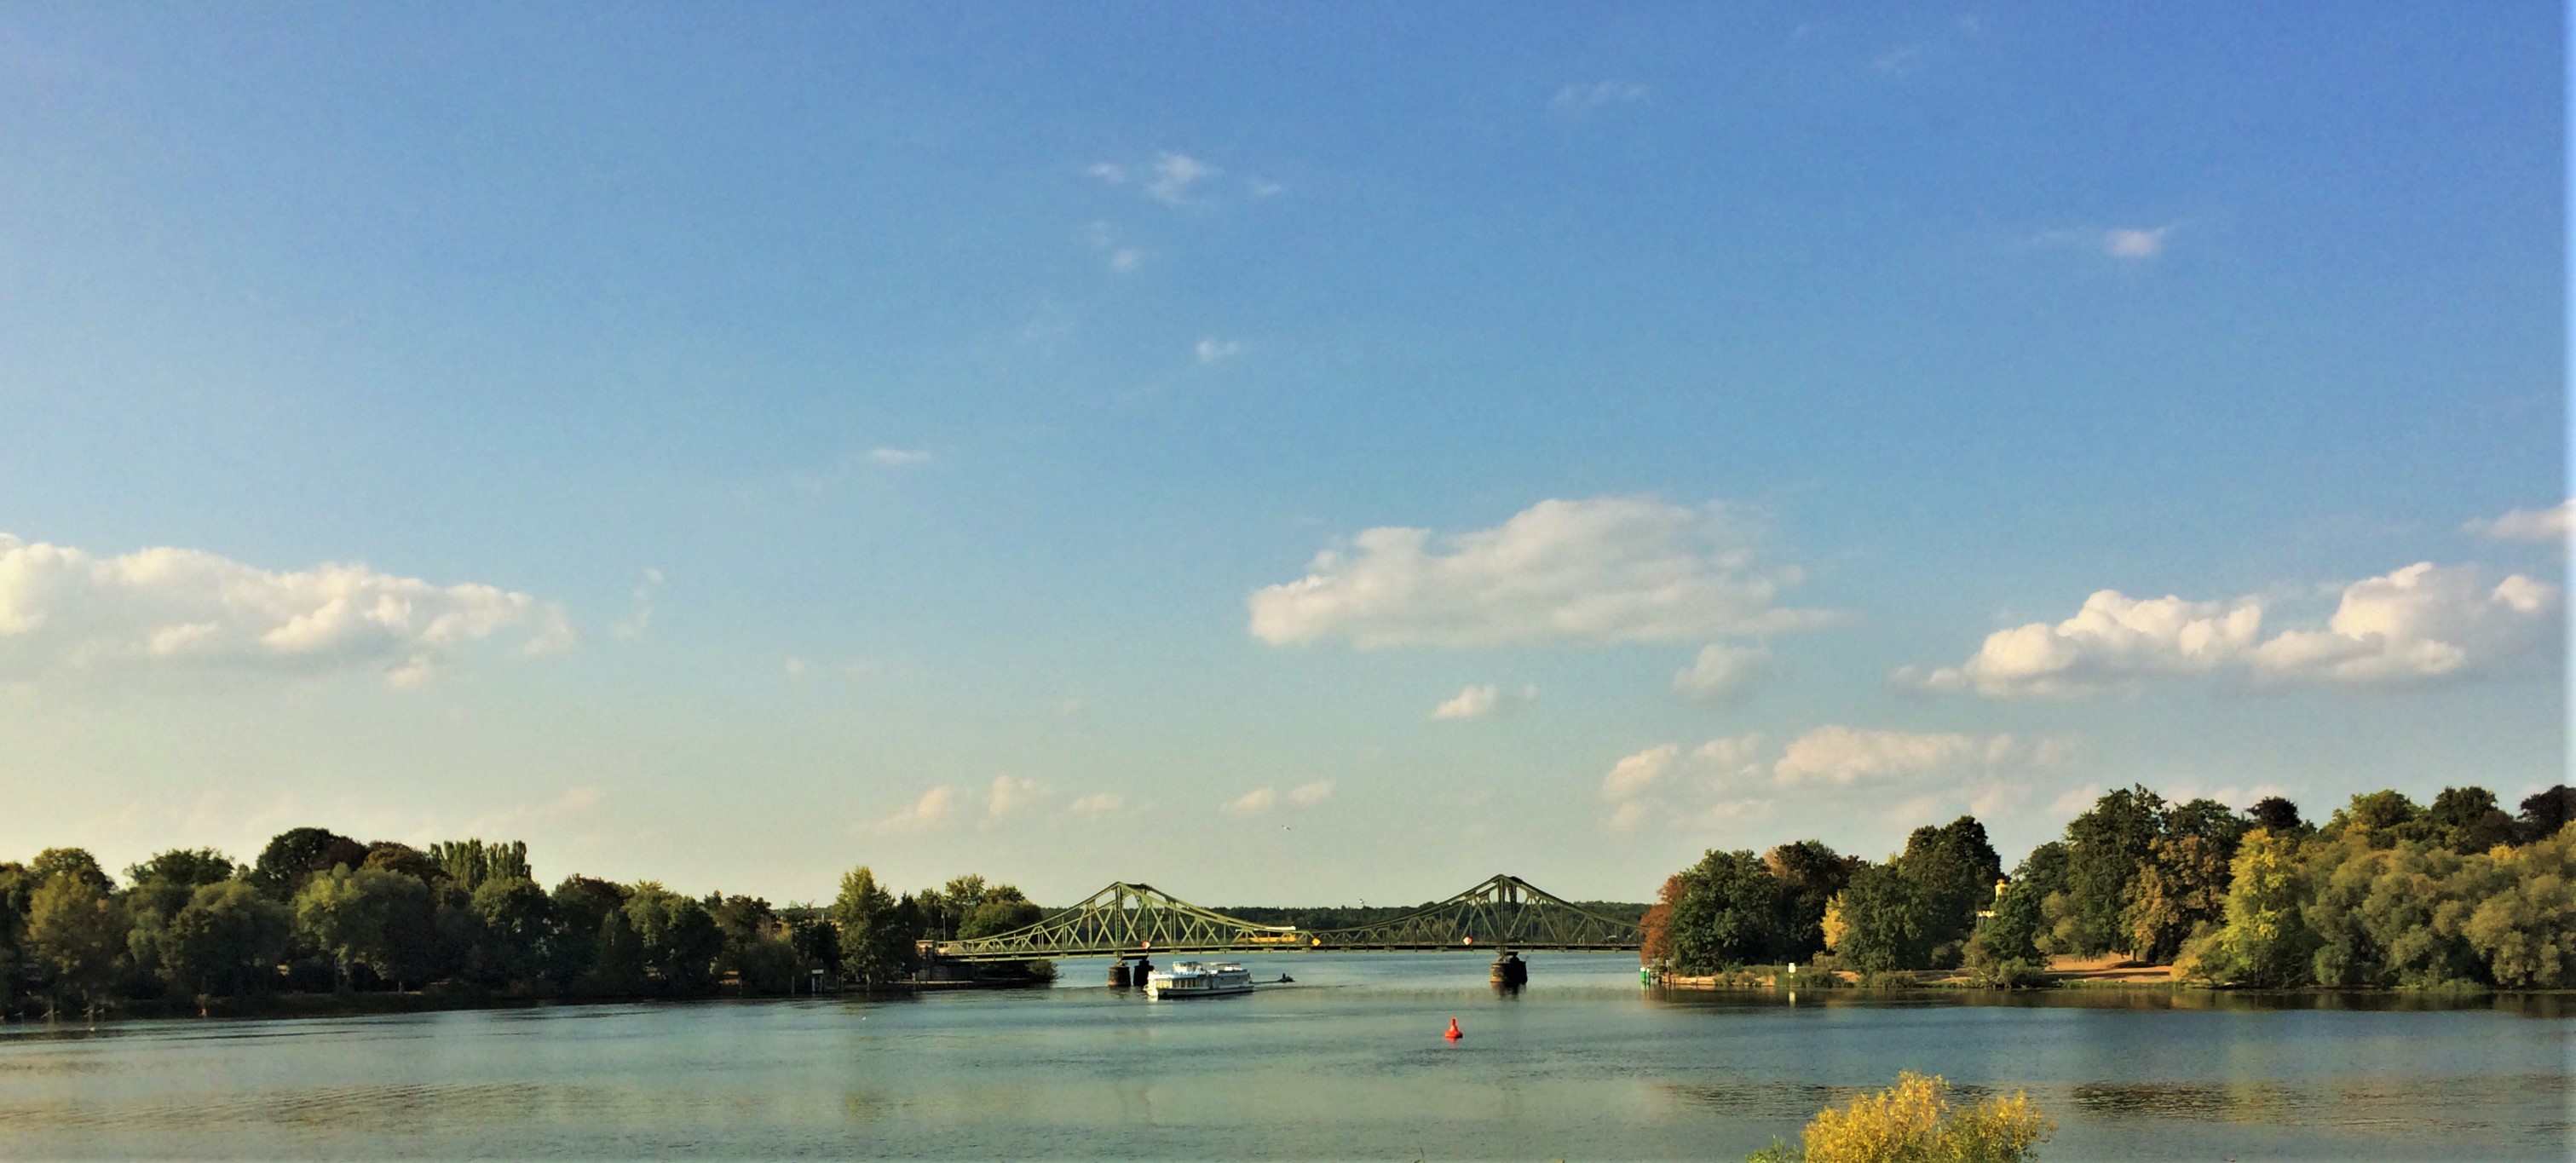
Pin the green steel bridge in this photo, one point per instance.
(1128, 920)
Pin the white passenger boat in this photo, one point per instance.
(1198, 979)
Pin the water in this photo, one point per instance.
(1347, 1063)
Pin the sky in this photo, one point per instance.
(1297, 456)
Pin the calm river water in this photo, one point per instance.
(1346, 1063)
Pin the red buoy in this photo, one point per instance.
(1453, 1034)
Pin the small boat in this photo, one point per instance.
(1198, 979)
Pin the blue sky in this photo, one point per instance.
(757, 444)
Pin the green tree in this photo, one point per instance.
(2379, 818)
(2277, 816)
(76, 931)
(2105, 848)
(226, 940)
(581, 907)
(1809, 874)
(1879, 914)
(2019, 930)
(382, 920)
(679, 941)
(1728, 913)
(75, 862)
(1953, 870)
(471, 863)
(2466, 819)
(389, 856)
(2265, 940)
(2181, 889)
(874, 947)
(2522, 919)
(190, 867)
(517, 921)
(294, 855)
(2544, 813)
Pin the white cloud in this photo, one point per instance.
(182, 610)
(642, 619)
(1577, 100)
(1109, 172)
(1635, 773)
(1215, 351)
(2548, 524)
(1842, 755)
(1012, 793)
(1174, 174)
(1476, 702)
(1121, 257)
(896, 457)
(1726, 674)
(1263, 187)
(1609, 569)
(1704, 787)
(1264, 799)
(795, 668)
(2423, 622)
(1099, 803)
(2135, 243)
(933, 806)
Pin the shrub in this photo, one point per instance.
(1914, 1121)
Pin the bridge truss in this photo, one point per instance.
(1504, 912)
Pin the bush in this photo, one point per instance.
(2011, 973)
(1914, 1120)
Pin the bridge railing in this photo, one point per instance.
(1504, 911)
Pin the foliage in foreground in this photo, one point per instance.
(1914, 1122)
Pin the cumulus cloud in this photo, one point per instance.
(1172, 176)
(2548, 524)
(1843, 755)
(2421, 623)
(1099, 803)
(1264, 799)
(1126, 260)
(1213, 351)
(1577, 100)
(1012, 793)
(1609, 569)
(1738, 776)
(1476, 702)
(1254, 802)
(182, 610)
(1726, 674)
(934, 806)
(1701, 787)
(642, 619)
(1110, 172)
(896, 457)
(1635, 773)
(2134, 242)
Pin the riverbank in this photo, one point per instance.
(448, 997)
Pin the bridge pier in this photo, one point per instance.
(1509, 970)
(1118, 974)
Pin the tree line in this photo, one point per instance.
(2386, 892)
(321, 912)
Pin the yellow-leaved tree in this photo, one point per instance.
(1914, 1122)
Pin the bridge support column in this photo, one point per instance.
(1118, 974)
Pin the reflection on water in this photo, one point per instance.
(1346, 1062)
